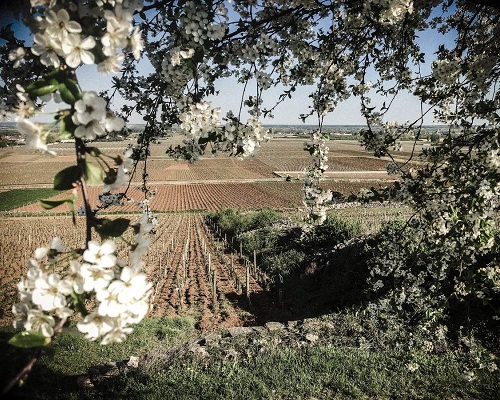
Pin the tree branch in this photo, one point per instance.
(488, 3)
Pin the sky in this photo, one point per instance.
(406, 107)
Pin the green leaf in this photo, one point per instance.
(72, 86)
(41, 88)
(112, 228)
(93, 174)
(29, 339)
(50, 204)
(70, 91)
(203, 140)
(66, 128)
(64, 179)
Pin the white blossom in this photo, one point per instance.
(38, 321)
(101, 255)
(136, 43)
(47, 50)
(117, 335)
(90, 131)
(59, 26)
(50, 292)
(77, 51)
(33, 133)
(95, 278)
(111, 64)
(95, 326)
(17, 56)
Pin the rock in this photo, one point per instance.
(311, 324)
(104, 369)
(198, 350)
(133, 362)
(274, 326)
(259, 329)
(311, 337)
(211, 338)
(84, 381)
(239, 330)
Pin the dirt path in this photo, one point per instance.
(280, 176)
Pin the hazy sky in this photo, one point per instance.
(406, 107)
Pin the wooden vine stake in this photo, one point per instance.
(184, 267)
(247, 290)
(214, 289)
(254, 261)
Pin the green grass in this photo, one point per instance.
(255, 366)
(309, 373)
(20, 197)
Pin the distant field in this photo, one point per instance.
(213, 196)
(208, 184)
(15, 198)
(19, 166)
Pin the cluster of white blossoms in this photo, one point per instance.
(120, 291)
(318, 150)
(55, 288)
(93, 118)
(120, 32)
(315, 199)
(196, 25)
(177, 55)
(61, 36)
(391, 11)
(446, 71)
(196, 28)
(199, 119)
(479, 69)
(245, 137)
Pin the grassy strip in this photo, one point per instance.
(20, 197)
(309, 373)
(256, 366)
